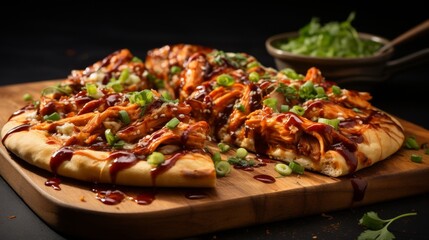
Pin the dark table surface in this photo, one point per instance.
(49, 44)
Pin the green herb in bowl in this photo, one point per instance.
(334, 39)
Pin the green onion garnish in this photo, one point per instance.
(124, 75)
(296, 168)
(291, 74)
(223, 147)
(271, 102)
(297, 110)
(427, 151)
(141, 98)
(116, 86)
(110, 138)
(254, 77)
(225, 80)
(320, 92)
(136, 59)
(332, 122)
(283, 169)
(416, 158)
(27, 97)
(216, 157)
(172, 123)
(240, 107)
(92, 91)
(336, 90)
(253, 64)
(357, 110)
(284, 108)
(155, 158)
(125, 118)
(222, 168)
(119, 144)
(411, 143)
(175, 70)
(52, 117)
(241, 153)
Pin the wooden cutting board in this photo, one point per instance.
(238, 200)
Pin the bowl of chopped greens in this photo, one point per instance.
(336, 48)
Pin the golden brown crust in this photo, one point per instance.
(190, 170)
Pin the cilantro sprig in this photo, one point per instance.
(377, 227)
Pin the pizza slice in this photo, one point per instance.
(284, 115)
(104, 125)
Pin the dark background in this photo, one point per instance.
(40, 42)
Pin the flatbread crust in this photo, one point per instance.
(190, 170)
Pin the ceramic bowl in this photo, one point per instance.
(338, 69)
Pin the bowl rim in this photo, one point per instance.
(281, 54)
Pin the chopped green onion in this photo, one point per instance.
(110, 138)
(175, 70)
(336, 90)
(52, 117)
(241, 153)
(416, 158)
(125, 118)
(225, 80)
(297, 110)
(119, 144)
(271, 102)
(27, 97)
(141, 98)
(307, 91)
(357, 110)
(296, 168)
(284, 108)
(283, 169)
(253, 64)
(333, 39)
(411, 143)
(254, 77)
(63, 89)
(166, 96)
(116, 86)
(290, 73)
(216, 157)
(240, 107)
(223, 147)
(136, 59)
(222, 168)
(320, 92)
(427, 151)
(124, 75)
(172, 123)
(332, 122)
(92, 91)
(155, 158)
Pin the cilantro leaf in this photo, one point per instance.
(379, 227)
(372, 221)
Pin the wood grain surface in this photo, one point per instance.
(238, 199)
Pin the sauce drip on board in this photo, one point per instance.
(145, 198)
(265, 178)
(359, 187)
(53, 182)
(195, 194)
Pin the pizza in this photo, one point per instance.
(155, 122)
